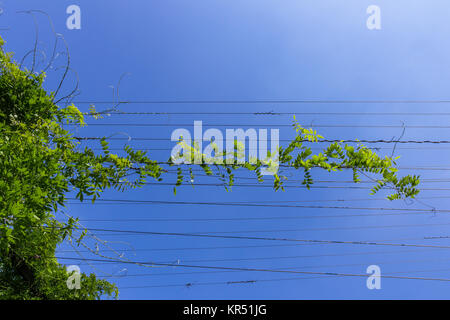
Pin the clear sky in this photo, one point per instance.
(253, 50)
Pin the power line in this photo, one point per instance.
(269, 238)
(266, 205)
(250, 269)
(313, 148)
(284, 166)
(248, 218)
(322, 229)
(271, 186)
(254, 246)
(261, 125)
(264, 258)
(319, 141)
(187, 285)
(240, 247)
(265, 101)
(290, 167)
(237, 178)
(163, 184)
(205, 248)
(286, 201)
(275, 113)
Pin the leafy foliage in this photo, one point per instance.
(39, 165)
(298, 154)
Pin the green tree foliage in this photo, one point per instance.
(41, 163)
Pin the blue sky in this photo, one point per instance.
(261, 50)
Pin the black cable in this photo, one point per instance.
(281, 140)
(250, 269)
(258, 125)
(313, 148)
(248, 218)
(320, 229)
(276, 113)
(266, 205)
(264, 101)
(269, 238)
(264, 258)
(271, 186)
(237, 178)
(188, 285)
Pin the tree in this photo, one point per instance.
(40, 164)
